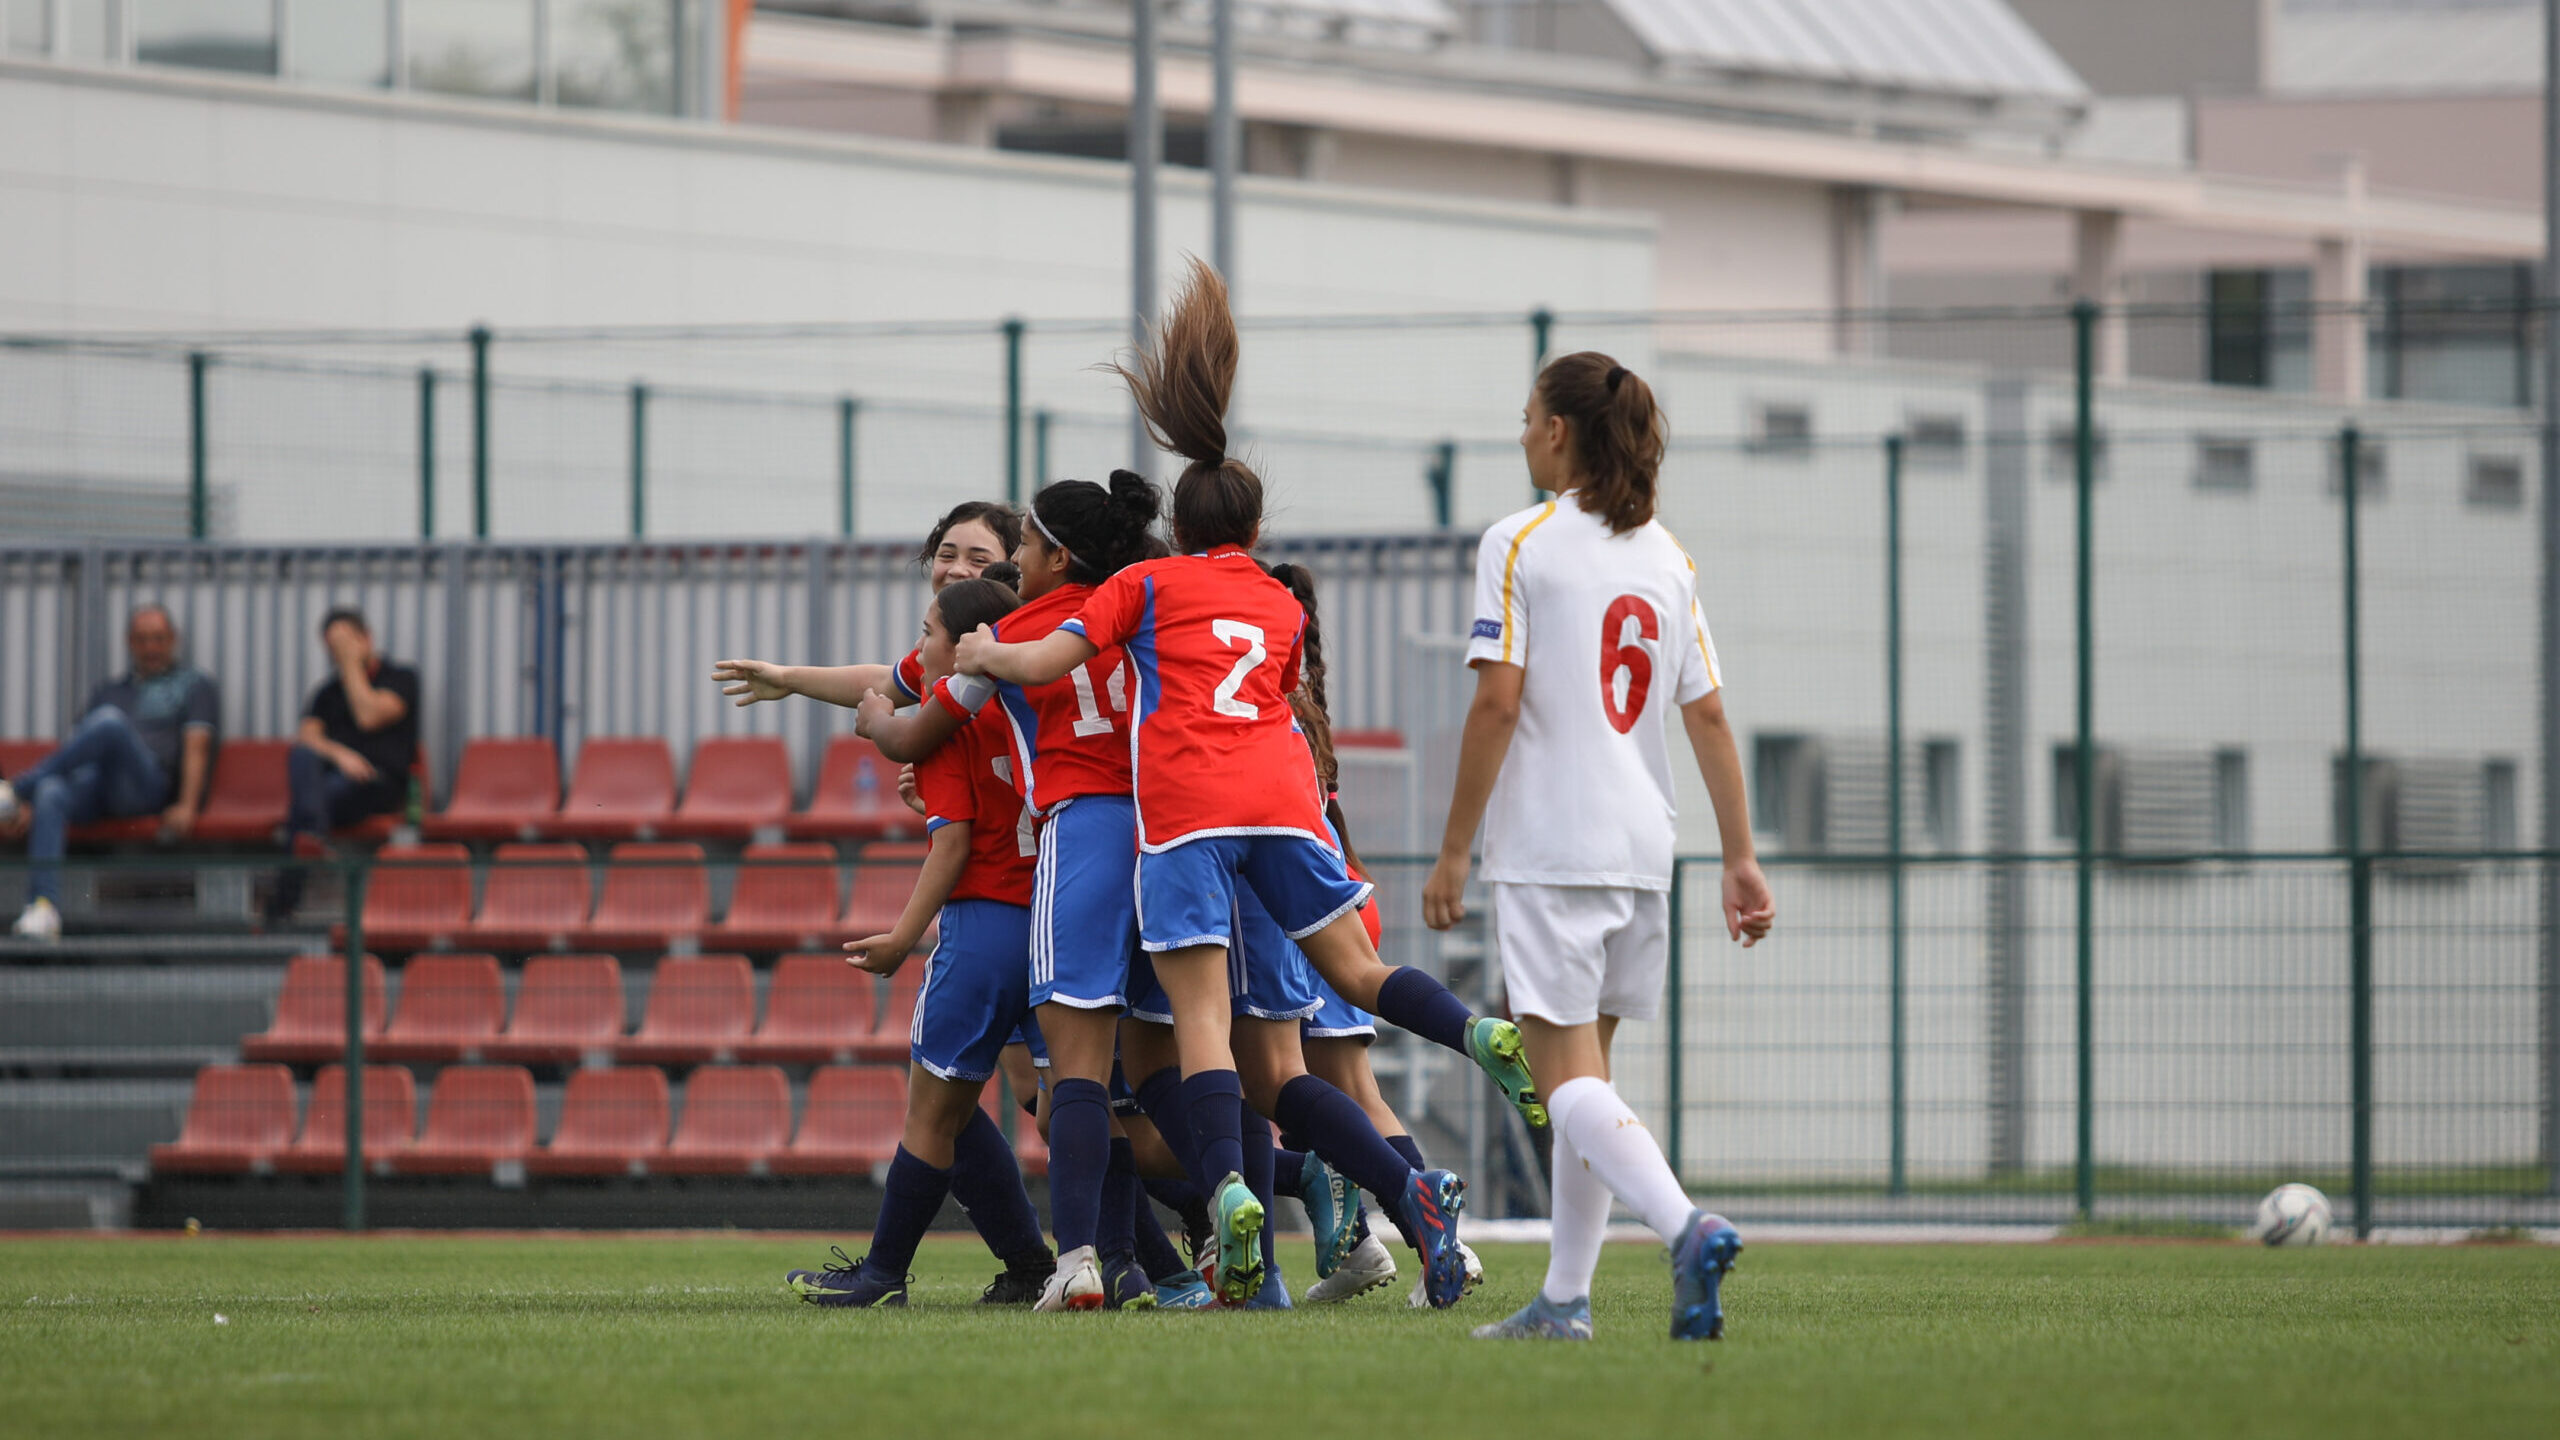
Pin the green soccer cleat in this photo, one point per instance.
(1495, 1047)
(1237, 1273)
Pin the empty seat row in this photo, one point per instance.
(624, 787)
(656, 895)
(570, 1009)
(736, 1121)
(244, 800)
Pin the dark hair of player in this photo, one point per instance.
(347, 614)
(1005, 573)
(994, 514)
(968, 604)
(1103, 530)
(1308, 702)
(1182, 382)
(1618, 434)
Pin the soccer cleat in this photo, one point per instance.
(1237, 1271)
(39, 921)
(1332, 1208)
(1495, 1047)
(1018, 1284)
(1432, 1200)
(1420, 1299)
(1698, 1265)
(1126, 1287)
(1077, 1285)
(1199, 1232)
(1542, 1319)
(1274, 1294)
(1188, 1293)
(844, 1283)
(1367, 1267)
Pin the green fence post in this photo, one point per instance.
(2359, 862)
(1542, 324)
(2084, 323)
(426, 453)
(1013, 411)
(1897, 1181)
(351, 1185)
(846, 409)
(1039, 448)
(480, 432)
(1442, 475)
(197, 482)
(639, 461)
(1674, 1109)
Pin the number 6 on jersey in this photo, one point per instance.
(1632, 655)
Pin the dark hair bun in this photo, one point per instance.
(1005, 573)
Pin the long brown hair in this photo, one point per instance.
(1308, 702)
(1618, 434)
(1182, 380)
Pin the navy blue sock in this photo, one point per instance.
(987, 1181)
(1257, 1172)
(914, 1192)
(1340, 1131)
(1392, 1206)
(1161, 1095)
(1411, 1000)
(1118, 1237)
(1214, 1101)
(1288, 1170)
(1175, 1195)
(1411, 1152)
(1155, 1251)
(1079, 1153)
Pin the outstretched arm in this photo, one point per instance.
(1033, 662)
(905, 738)
(1749, 908)
(1481, 748)
(754, 680)
(883, 954)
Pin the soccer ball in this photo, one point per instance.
(2292, 1215)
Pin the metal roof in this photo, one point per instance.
(1973, 47)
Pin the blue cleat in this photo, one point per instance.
(1237, 1276)
(1275, 1291)
(1333, 1209)
(1126, 1287)
(1188, 1293)
(847, 1282)
(1542, 1319)
(1698, 1265)
(1432, 1200)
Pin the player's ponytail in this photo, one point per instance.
(1308, 700)
(1101, 530)
(968, 604)
(1182, 381)
(1618, 434)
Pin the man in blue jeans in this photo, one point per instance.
(359, 739)
(145, 745)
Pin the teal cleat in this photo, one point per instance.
(1189, 1293)
(1237, 1274)
(1495, 1047)
(1333, 1209)
(1542, 1319)
(1698, 1265)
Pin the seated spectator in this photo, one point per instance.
(359, 739)
(144, 745)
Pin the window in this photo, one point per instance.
(2373, 467)
(2225, 462)
(1933, 442)
(207, 34)
(2498, 829)
(1786, 790)
(471, 47)
(614, 54)
(2231, 800)
(1780, 427)
(2378, 806)
(2495, 482)
(92, 27)
(1941, 801)
(29, 28)
(2062, 452)
(342, 42)
(2236, 329)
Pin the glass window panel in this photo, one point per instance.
(207, 34)
(472, 47)
(28, 31)
(614, 54)
(347, 42)
(91, 29)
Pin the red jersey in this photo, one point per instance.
(971, 778)
(908, 676)
(1071, 736)
(1214, 643)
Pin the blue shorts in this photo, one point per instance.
(976, 989)
(1028, 1033)
(1268, 977)
(1084, 914)
(1146, 993)
(1337, 1018)
(1187, 894)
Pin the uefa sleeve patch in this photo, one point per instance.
(1488, 630)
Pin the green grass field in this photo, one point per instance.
(692, 1335)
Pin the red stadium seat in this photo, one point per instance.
(1029, 1150)
(240, 1118)
(738, 785)
(536, 898)
(477, 1116)
(506, 787)
(419, 897)
(882, 881)
(390, 1121)
(657, 896)
(377, 829)
(450, 1006)
(247, 797)
(736, 1118)
(1368, 739)
(568, 1009)
(311, 1012)
(856, 797)
(784, 899)
(612, 1122)
(17, 755)
(887, 1042)
(700, 1009)
(818, 1009)
(856, 1117)
(624, 788)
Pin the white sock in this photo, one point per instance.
(1617, 1147)
(1581, 1210)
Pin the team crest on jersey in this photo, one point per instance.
(1488, 630)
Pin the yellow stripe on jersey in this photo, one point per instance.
(1510, 564)
(1697, 630)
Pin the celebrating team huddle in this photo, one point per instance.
(1147, 909)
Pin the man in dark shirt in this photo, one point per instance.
(359, 738)
(145, 745)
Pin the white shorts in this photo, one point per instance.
(1573, 953)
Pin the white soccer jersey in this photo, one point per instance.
(1608, 631)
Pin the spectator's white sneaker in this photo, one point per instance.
(9, 806)
(39, 921)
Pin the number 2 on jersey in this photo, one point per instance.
(1617, 652)
(1235, 632)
